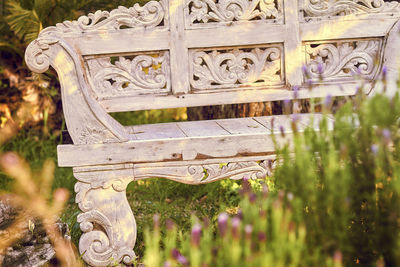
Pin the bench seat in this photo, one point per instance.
(191, 140)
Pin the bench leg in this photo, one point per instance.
(107, 222)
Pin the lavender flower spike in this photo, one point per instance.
(248, 229)
(196, 233)
(328, 100)
(320, 68)
(223, 223)
(296, 89)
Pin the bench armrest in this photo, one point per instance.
(87, 121)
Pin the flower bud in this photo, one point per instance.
(282, 130)
(262, 237)
(196, 234)
(223, 223)
(296, 89)
(248, 230)
(235, 228)
(61, 195)
(320, 68)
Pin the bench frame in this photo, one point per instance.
(169, 41)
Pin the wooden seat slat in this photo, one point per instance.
(242, 126)
(202, 128)
(157, 131)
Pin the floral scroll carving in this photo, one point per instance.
(109, 232)
(134, 75)
(234, 170)
(324, 8)
(239, 67)
(206, 173)
(151, 15)
(343, 60)
(226, 11)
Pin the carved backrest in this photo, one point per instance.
(181, 53)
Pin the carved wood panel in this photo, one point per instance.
(343, 60)
(237, 67)
(317, 9)
(130, 75)
(206, 13)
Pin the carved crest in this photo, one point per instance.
(238, 67)
(225, 11)
(152, 14)
(324, 8)
(343, 60)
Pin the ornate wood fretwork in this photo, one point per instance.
(152, 14)
(134, 75)
(325, 8)
(206, 173)
(107, 222)
(226, 11)
(343, 59)
(237, 67)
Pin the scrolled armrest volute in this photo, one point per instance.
(87, 121)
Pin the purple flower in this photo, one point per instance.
(253, 197)
(320, 68)
(170, 224)
(305, 71)
(338, 256)
(175, 253)
(296, 89)
(282, 130)
(248, 230)
(179, 257)
(295, 117)
(384, 72)
(386, 134)
(235, 227)
(196, 233)
(246, 187)
(262, 236)
(286, 106)
(289, 196)
(240, 214)
(328, 100)
(182, 260)
(357, 90)
(223, 223)
(310, 83)
(375, 149)
(167, 264)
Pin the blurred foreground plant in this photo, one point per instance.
(262, 233)
(33, 198)
(346, 181)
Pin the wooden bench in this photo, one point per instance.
(188, 53)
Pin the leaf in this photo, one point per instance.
(23, 22)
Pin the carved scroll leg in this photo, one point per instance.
(107, 222)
